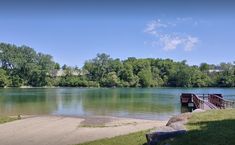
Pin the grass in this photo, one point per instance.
(137, 138)
(215, 127)
(4, 119)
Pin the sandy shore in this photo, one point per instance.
(59, 130)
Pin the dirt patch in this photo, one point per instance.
(95, 121)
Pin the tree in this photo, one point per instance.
(57, 66)
(16, 81)
(127, 76)
(22, 65)
(116, 66)
(227, 77)
(157, 80)
(4, 80)
(198, 78)
(98, 66)
(64, 67)
(145, 76)
(25, 65)
(183, 77)
(204, 67)
(111, 80)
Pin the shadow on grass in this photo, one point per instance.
(220, 132)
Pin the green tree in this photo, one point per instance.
(157, 80)
(145, 76)
(111, 80)
(204, 67)
(16, 81)
(57, 66)
(127, 76)
(4, 79)
(25, 65)
(98, 67)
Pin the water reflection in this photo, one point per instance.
(152, 103)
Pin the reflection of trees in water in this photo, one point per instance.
(126, 100)
(26, 101)
(95, 101)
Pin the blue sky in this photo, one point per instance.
(75, 31)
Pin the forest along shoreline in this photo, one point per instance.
(65, 130)
(23, 66)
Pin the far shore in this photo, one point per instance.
(48, 87)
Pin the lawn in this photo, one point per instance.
(137, 138)
(215, 127)
(4, 119)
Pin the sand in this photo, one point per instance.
(61, 130)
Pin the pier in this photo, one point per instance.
(205, 101)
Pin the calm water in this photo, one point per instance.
(150, 103)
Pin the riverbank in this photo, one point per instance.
(213, 127)
(60, 130)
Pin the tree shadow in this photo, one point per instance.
(220, 132)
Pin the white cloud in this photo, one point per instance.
(154, 26)
(190, 42)
(170, 40)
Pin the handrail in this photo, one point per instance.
(228, 103)
(221, 102)
(207, 101)
(199, 103)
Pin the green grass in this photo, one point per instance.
(4, 119)
(215, 127)
(137, 138)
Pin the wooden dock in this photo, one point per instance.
(205, 101)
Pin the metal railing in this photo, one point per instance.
(207, 101)
(220, 102)
(199, 103)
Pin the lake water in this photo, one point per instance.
(146, 103)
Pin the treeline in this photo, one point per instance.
(23, 66)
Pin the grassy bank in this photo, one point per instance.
(4, 119)
(130, 139)
(215, 127)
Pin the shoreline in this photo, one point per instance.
(94, 117)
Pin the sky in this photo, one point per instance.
(75, 31)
